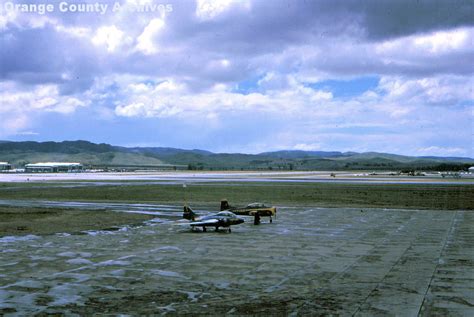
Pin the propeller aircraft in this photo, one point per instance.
(256, 210)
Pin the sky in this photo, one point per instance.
(241, 75)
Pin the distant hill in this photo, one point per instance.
(58, 147)
(21, 153)
(166, 151)
(106, 155)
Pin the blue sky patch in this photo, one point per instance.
(247, 86)
(347, 88)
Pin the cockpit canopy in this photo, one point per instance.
(256, 205)
(227, 214)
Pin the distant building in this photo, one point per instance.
(471, 170)
(5, 166)
(53, 167)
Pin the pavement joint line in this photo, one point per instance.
(446, 238)
(350, 265)
(388, 271)
(378, 283)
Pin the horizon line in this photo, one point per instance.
(245, 153)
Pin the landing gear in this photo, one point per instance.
(230, 230)
(256, 219)
(217, 228)
(204, 229)
(271, 220)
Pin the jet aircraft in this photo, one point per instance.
(255, 209)
(223, 219)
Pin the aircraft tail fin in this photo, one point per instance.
(224, 204)
(189, 214)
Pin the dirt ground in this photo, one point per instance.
(310, 261)
(41, 221)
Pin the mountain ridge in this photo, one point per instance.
(103, 154)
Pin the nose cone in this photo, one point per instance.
(240, 220)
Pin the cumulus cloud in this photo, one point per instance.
(170, 98)
(446, 90)
(210, 9)
(12, 123)
(145, 42)
(40, 98)
(110, 36)
(19, 106)
(307, 147)
(436, 150)
(257, 62)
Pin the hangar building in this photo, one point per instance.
(5, 166)
(53, 167)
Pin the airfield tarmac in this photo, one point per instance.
(310, 261)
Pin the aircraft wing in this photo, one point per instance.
(204, 222)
